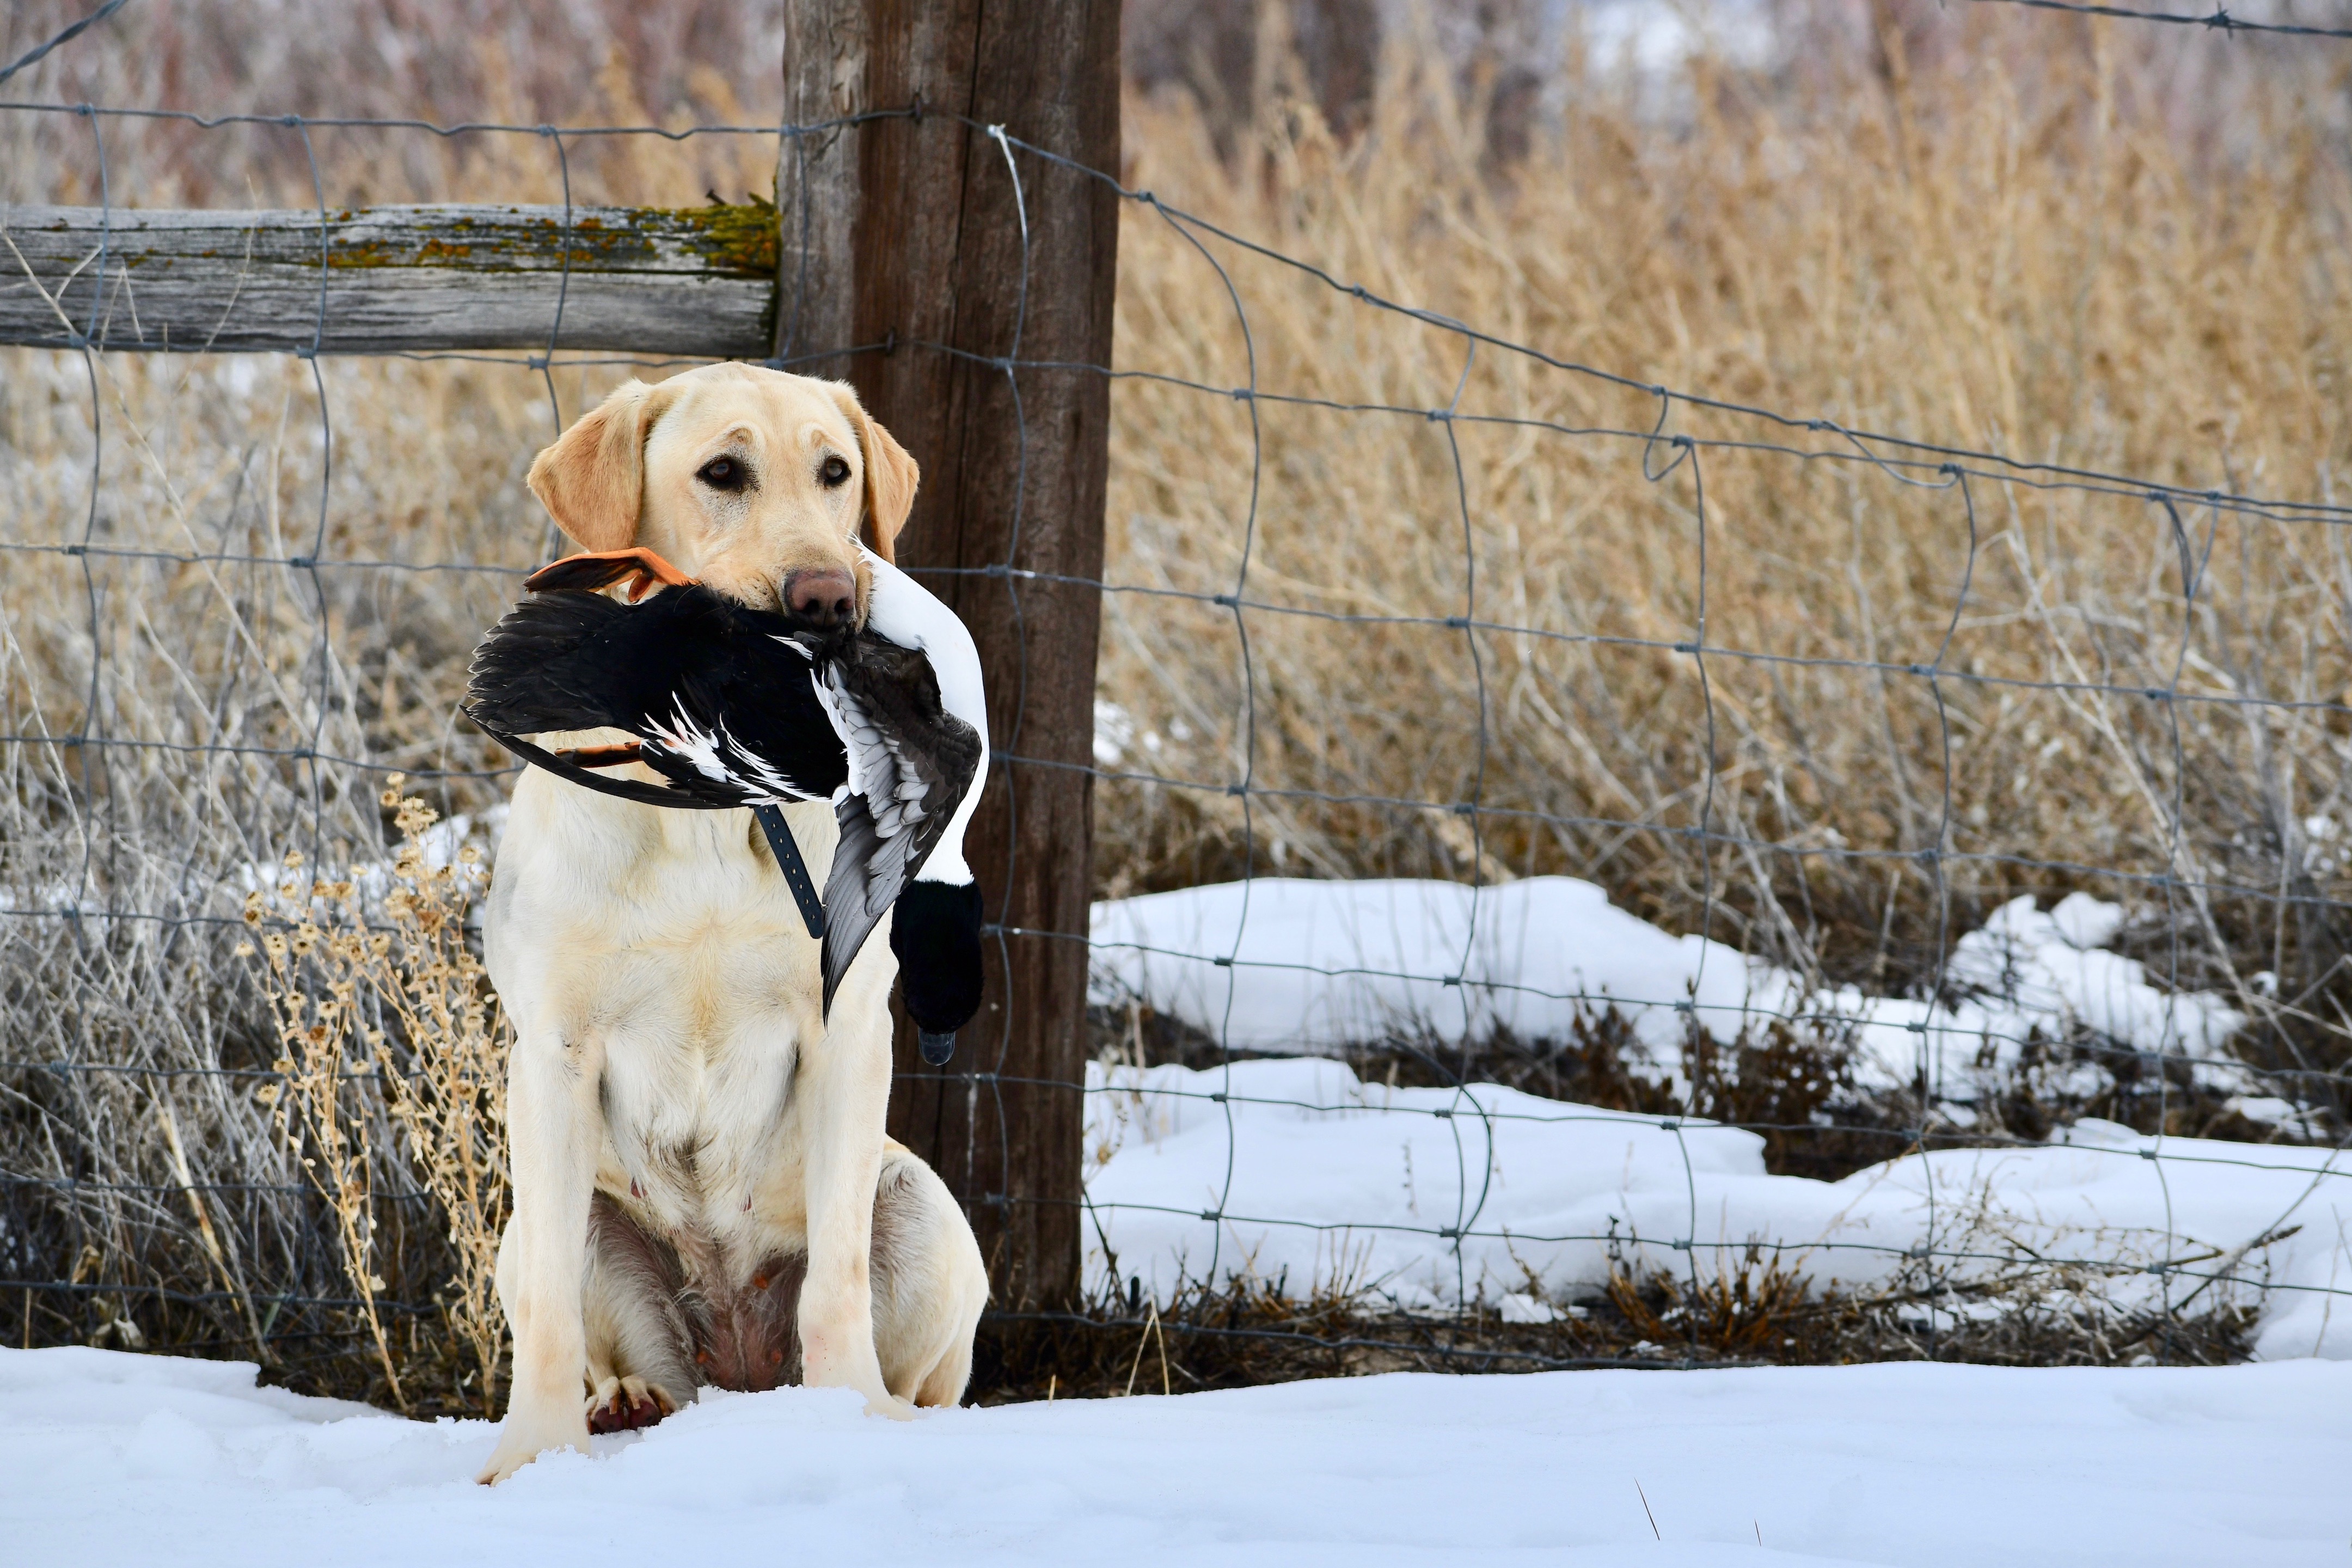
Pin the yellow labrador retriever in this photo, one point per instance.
(703, 1191)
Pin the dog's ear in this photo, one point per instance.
(891, 475)
(592, 480)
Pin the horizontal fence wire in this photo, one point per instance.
(85, 915)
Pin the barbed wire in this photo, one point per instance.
(2216, 20)
(40, 52)
(1663, 455)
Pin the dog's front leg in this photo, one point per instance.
(553, 1132)
(846, 1096)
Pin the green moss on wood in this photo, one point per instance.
(741, 240)
(730, 240)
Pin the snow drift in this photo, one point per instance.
(1286, 964)
(1293, 1171)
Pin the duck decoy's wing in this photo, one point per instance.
(742, 716)
(719, 697)
(911, 763)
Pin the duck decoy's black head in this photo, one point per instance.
(935, 931)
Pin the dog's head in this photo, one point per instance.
(759, 483)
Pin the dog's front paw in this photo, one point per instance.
(891, 1407)
(626, 1404)
(523, 1439)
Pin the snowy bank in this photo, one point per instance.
(1294, 1171)
(113, 1458)
(1287, 964)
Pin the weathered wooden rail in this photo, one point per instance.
(691, 281)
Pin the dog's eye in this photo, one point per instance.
(722, 474)
(834, 473)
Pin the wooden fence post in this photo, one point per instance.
(903, 232)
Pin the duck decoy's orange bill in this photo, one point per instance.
(602, 568)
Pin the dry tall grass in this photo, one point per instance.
(2069, 243)
(2075, 243)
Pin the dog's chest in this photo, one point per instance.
(673, 946)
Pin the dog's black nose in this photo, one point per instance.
(824, 597)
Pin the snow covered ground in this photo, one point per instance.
(1277, 1169)
(107, 1457)
(1314, 1175)
(1288, 965)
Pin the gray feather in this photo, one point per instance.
(916, 761)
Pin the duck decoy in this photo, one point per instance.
(737, 707)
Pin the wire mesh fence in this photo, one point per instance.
(1634, 1147)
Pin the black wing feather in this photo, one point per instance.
(685, 659)
(917, 762)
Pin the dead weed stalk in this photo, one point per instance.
(451, 1095)
(395, 1023)
(318, 977)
